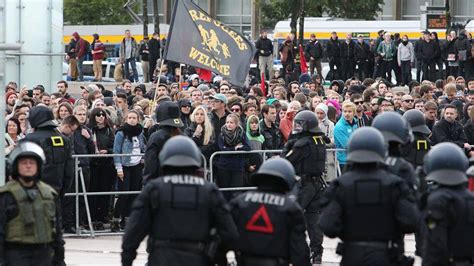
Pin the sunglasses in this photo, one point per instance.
(359, 102)
(100, 115)
(235, 109)
(408, 101)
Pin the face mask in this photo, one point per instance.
(405, 42)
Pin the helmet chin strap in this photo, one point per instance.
(28, 179)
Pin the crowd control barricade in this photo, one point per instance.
(337, 171)
(208, 173)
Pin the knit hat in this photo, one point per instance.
(322, 107)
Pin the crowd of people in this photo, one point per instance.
(218, 116)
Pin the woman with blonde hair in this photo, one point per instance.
(201, 130)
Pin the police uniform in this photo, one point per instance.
(307, 153)
(178, 212)
(449, 210)
(29, 229)
(58, 170)
(271, 224)
(368, 207)
(167, 114)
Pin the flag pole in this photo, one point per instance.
(158, 83)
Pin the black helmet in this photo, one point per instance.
(366, 145)
(446, 164)
(393, 127)
(167, 114)
(274, 172)
(26, 149)
(41, 116)
(306, 121)
(417, 121)
(180, 151)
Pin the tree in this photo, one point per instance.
(95, 12)
(276, 10)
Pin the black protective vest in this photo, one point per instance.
(369, 206)
(262, 220)
(415, 152)
(308, 156)
(461, 233)
(182, 208)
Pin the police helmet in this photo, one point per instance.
(168, 114)
(41, 116)
(417, 121)
(180, 151)
(393, 127)
(366, 145)
(274, 172)
(26, 149)
(306, 121)
(446, 164)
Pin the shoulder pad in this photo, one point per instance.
(301, 143)
(46, 190)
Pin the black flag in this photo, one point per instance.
(197, 39)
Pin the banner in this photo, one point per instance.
(197, 39)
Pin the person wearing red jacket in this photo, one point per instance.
(81, 51)
(98, 52)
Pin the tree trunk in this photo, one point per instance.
(145, 18)
(302, 15)
(156, 16)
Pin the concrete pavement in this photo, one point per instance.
(105, 251)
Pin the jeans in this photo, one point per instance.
(266, 63)
(132, 181)
(146, 69)
(316, 63)
(429, 70)
(133, 63)
(406, 72)
(386, 69)
(347, 68)
(80, 61)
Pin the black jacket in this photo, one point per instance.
(313, 49)
(429, 50)
(208, 149)
(469, 130)
(286, 236)
(463, 44)
(347, 49)
(273, 138)
(443, 131)
(154, 49)
(58, 171)
(361, 51)
(105, 138)
(83, 145)
(264, 44)
(167, 210)
(333, 48)
(153, 147)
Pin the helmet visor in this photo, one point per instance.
(298, 126)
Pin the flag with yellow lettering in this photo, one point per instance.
(196, 39)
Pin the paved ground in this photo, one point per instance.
(105, 250)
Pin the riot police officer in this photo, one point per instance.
(367, 207)
(306, 150)
(58, 170)
(449, 211)
(169, 122)
(31, 234)
(396, 132)
(179, 212)
(415, 151)
(271, 225)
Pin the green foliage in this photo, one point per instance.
(353, 9)
(276, 10)
(95, 12)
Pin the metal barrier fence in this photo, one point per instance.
(79, 177)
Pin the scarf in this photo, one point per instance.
(232, 138)
(131, 131)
